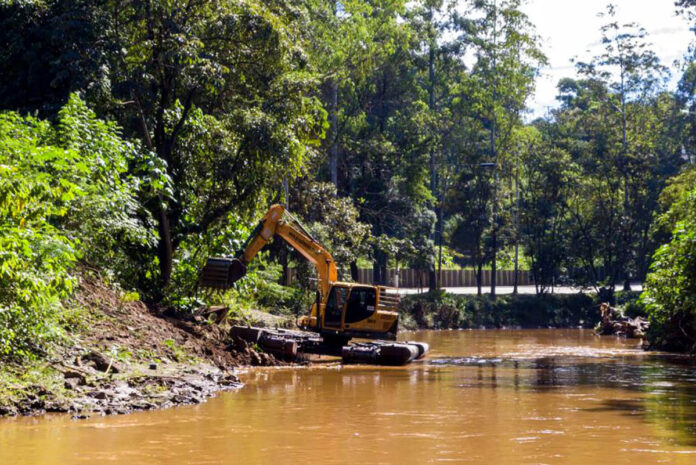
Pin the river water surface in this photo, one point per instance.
(481, 397)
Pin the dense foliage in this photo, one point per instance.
(65, 195)
(670, 294)
(442, 311)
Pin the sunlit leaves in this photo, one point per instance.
(64, 196)
(670, 291)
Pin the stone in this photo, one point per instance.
(80, 378)
(100, 362)
(71, 383)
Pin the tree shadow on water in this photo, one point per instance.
(666, 390)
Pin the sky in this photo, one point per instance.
(570, 28)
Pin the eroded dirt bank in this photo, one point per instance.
(122, 357)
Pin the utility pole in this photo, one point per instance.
(494, 154)
(434, 278)
(517, 222)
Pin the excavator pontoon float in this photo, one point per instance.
(341, 312)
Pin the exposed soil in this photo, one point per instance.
(124, 357)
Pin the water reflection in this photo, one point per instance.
(667, 383)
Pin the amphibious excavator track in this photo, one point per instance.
(289, 344)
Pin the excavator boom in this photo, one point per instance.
(222, 273)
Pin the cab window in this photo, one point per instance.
(361, 304)
(334, 306)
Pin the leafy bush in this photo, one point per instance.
(670, 288)
(276, 298)
(631, 304)
(62, 199)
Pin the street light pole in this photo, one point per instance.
(517, 222)
(494, 244)
(494, 153)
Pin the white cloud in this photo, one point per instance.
(570, 28)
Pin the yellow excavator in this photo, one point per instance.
(342, 310)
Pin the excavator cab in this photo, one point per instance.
(349, 304)
(335, 304)
(355, 310)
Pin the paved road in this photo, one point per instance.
(500, 290)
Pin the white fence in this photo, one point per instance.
(448, 278)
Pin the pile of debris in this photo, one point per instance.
(614, 322)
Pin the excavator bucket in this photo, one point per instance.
(222, 273)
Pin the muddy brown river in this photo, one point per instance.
(481, 397)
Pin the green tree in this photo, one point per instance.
(670, 291)
(64, 196)
(508, 59)
(384, 127)
(545, 182)
(342, 46)
(219, 90)
(633, 74)
(221, 93)
(335, 223)
(469, 204)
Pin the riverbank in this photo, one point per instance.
(119, 356)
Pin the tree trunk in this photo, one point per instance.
(354, 275)
(165, 251)
(283, 258)
(440, 212)
(376, 278)
(333, 152)
(494, 153)
(379, 268)
(517, 226)
(494, 261)
(433, 278)
(479, 278)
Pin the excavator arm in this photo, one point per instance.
(222, 273)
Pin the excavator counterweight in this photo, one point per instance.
(341, 312)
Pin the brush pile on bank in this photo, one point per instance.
(614, 322)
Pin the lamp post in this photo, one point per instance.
(517, 223)
(494, 265)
